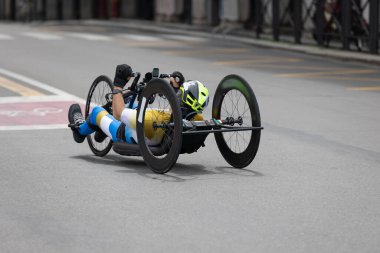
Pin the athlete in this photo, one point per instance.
(121, 126)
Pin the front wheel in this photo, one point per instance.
(235, 99)
(159, 126)
(97, 97)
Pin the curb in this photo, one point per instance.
(208, 32)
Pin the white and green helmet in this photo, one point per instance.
(194, 95)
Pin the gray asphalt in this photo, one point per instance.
(313, 186)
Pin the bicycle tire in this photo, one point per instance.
(96, 96)
(161, 90)
(235, 83)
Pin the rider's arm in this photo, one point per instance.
(117, 104)
(122, 76)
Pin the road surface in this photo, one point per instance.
(313, 186)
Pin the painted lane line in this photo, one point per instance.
(5, 37)
(41, 111)
(29, 115)
(40, 85)
(369, 88)
(184, 38)
(45, 98)
(43, 36)
(140, 37)
(331, 73)
(259, 60)
(90, 36)
(33, 127)
(18, 88)
(218, 51)
(292, 67)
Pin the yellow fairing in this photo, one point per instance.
(151, 116)
(198, 117)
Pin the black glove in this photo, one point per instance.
(122, 75)
(178, 77)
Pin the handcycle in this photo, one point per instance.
(235, 121)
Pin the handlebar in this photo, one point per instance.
(136, 75)
(165, 76)
(135, 86)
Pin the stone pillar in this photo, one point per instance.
(235, 11)
(244, 10)
(199, 12)
(230, 11)
(168, 10)
(213, 11)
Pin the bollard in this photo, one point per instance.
(297, 12)
(374, 27)
(13, 10)
(346, 23)
(77, 9)
(276, 19)
(214, 11)
(187, 11)
(319, 21)
(259, 17)
(59, 10)
(2, 9)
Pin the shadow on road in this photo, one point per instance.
(179, 173)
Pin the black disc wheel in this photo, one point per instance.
(234, 99)
(97, 97)
(159, 126)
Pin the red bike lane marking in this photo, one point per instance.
(33, 110)
(35, 113)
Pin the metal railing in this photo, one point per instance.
(349, 24)
(352, 23)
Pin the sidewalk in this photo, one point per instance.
(246, 37)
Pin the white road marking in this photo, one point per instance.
(5, 37)
(33, 127)
(40, 85)
(184, 38)
(42, 111)
(140, 37)
(43, 36)
(49, 98)
(59, 96)
(90, 36)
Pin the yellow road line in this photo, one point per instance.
(259, 60)
(356, 79)
(160, 44)
(208, 51)
(323, 74)
(368, 88)
(18, 88)
(292, 67)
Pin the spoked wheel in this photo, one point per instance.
(159, 126)
(235, 99)
(97, 97)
